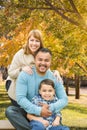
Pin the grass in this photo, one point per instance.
(74, 115)
(4, 101)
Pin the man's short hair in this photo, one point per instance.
(45, 50)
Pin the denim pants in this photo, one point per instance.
(60, 127)
(17, 117)
(7, 85)
(36, 125)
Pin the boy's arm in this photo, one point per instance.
(37, 118)
(33, 117)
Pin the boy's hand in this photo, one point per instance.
(44, 122)
(56, 121)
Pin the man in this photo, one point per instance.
(27, 87)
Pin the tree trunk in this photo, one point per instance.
(77, 87)
(67, 87)
(67, 90)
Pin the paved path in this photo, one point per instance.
(83, 91)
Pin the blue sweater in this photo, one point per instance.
(27, 87)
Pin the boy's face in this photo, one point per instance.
(47, 92)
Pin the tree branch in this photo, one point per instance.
(62, 14)
(74, 8)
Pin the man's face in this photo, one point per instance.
(42, 62)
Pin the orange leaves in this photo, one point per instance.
(10, 47)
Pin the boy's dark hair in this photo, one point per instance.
(45, 50)
(48, 82)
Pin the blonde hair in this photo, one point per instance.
(37, 34)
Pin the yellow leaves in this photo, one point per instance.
(10, 47)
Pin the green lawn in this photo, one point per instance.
(4, 101)
(74, 115)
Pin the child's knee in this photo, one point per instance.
(36, 125)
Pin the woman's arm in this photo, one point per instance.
(15, 66)
(20, 62)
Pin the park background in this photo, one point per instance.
(63, 24)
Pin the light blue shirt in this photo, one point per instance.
(27, 87)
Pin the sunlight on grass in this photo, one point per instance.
(75, 115)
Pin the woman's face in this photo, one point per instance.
(34, 44)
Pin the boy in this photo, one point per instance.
(45, 97)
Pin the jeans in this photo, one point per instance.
(60, 127)
(17, 117)
(7, 85)
(36, 125)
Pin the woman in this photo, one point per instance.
(23, 60)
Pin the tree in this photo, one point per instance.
(67, 40)
(16, 11)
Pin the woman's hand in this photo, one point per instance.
(28, 69)
(57, 75)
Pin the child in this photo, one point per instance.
(45, 97)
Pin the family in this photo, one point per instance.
(37, 94)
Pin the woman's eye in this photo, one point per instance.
(37, 41)
(31, 40)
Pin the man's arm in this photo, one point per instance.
(22, 99)
(62, 98)
(21, 94)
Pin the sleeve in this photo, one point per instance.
(59, 114)
(21, 95)
(15, 66)
(35, 100)
(62, 98)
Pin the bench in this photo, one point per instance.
(6, 125)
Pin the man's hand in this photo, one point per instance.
(45, 112)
